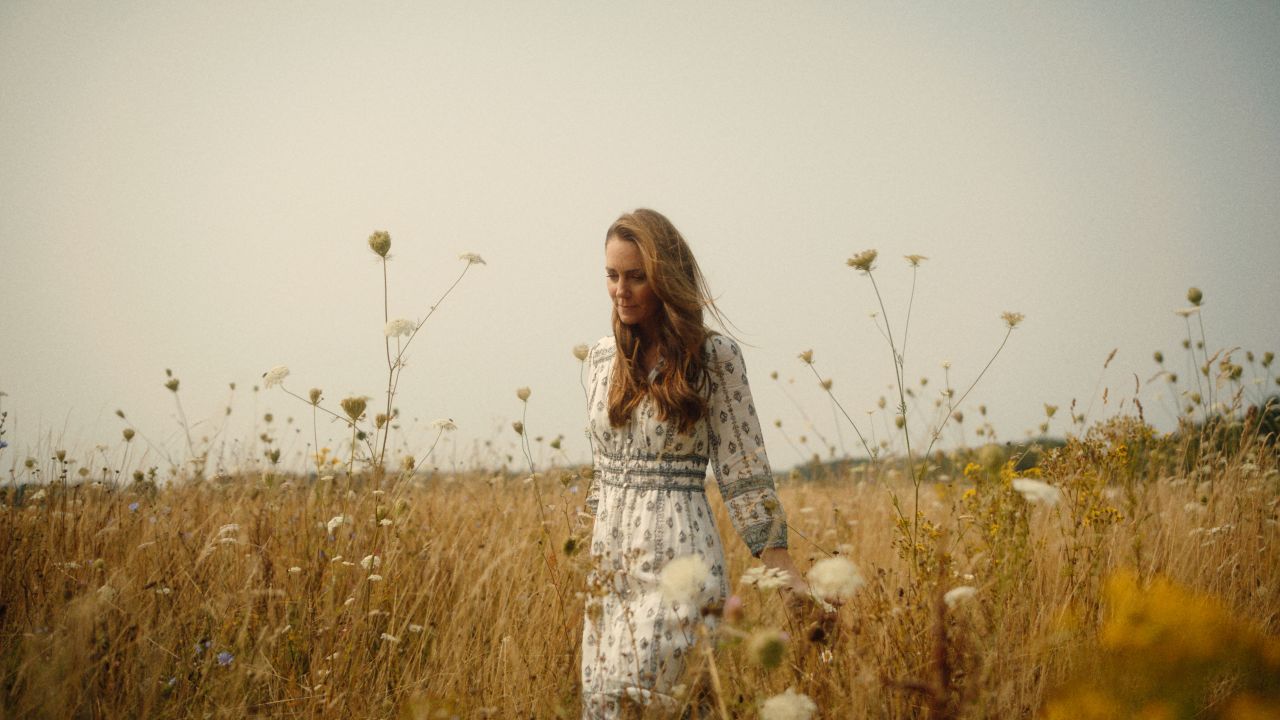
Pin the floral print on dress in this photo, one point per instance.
(649, 500)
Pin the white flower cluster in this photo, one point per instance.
(1037, 492)
(400, 326)
(789, 705)
(766, 578)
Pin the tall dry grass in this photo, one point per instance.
(244, 596)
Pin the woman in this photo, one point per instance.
(666, 397)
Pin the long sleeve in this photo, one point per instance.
(737, 452)
(598, 361)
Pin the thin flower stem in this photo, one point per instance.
(964, 395)
(865, 446)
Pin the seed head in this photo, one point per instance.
(826, 384)
(1187, 312)
(1194, 296)
(472, 259)
(172, 384)
(1049, 410)
(518, 427)
(128, 434)
(523, 393)
(581, 352)
(915, 260)
(1159, 357)
(767, 648)
(315, 396)
(354, 407)
(864, 261)
(806, 357)
(444, 424)
(380, 242)
(1267, 358)
(1012, 319)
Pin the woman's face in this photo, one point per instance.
(629, 287)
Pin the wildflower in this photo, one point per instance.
(375, 578)
(863, 261)
(295, 570)
(946, 364)
(1037, 492)
(684, 579)
(384, 522)
(354, 407)
(389, 638)
(1194, 296)
(172, 384)
(334, 522)
(398, 327)
(957, 595)
(789, 705)
(834, 578)
(915, 259)
(523, 393)
(225, 658)
(133, 506)
(581, 352)
(766, 578)
(767, 648)
(1012, 319)
(380, 242)
(1187, 312)
(472, 259)
(274, 376)
(444, 424)
(806, 357)
(371, 562)
(415, 628)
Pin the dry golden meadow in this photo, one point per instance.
(1123, 572)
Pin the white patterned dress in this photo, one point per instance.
(650, 505)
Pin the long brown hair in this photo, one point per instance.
(678, 390)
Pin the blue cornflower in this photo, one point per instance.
(225, 658)
(133, 506)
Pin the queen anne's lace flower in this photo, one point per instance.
(766, 578)
(1035, 491)
(398, 327)
(444, 424)
(957, 595)
(274, 376)
(472, 259)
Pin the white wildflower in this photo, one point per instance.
(415, 628)
(957, 595)
(334, 522)
(384, 522)
(766, 578)
(684, 579)
(375, 578)
(1035, 491)
(38, 495)
(399, 326)
(371, 562)
(274, 376)
(834, 578)
(445, 424)
(581, 352)
(295, 570)
(472, 259)
(390, 638)
(790, 705)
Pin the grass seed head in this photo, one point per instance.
(380, 242)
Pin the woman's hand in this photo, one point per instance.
(816, 617)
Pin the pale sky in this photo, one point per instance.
(190, 186)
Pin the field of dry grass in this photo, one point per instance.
(442, 596)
